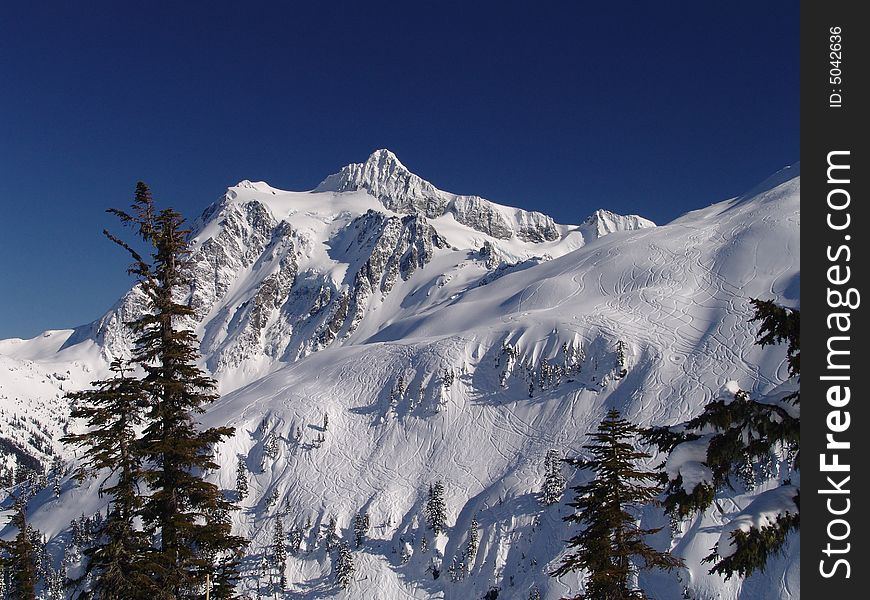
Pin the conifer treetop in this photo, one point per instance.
(612, 542)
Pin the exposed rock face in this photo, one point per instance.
(603, 222)
(396, 247)
(245, 230)
(253, 315)
(401, 191)
(481, 215)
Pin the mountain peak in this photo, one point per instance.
(247, 184)
(381, 173)
(384, 158)
(386, 178)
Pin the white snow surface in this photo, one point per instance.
(676, 295)
(687, 460)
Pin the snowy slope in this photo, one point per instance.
(450, 344)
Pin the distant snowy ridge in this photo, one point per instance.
(387, 179)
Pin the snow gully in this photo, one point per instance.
(841, 300)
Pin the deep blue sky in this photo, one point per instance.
(640, 107)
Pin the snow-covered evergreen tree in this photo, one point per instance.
(620, 359)
(279, 553)
(739, 435)
(344, 566)
(295, 538)
(55, 584)
(436, 510)
(471, 547)
(360, 527)
(456, 569)
(270, 446)
(447, 378)
(399, 390)
(554, 481)
(330, 534)
(405, 554)
(241, 479)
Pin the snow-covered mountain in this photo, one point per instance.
(387, 179)
(448, 338)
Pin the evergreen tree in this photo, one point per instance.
(270, 447)
(740, 434)
(554, 481)
(330, 535)
(456, 570)
(620, 359)
(436, 512)
(41, 559)
(19, 557)
(611, 539)
(117, 562)
(189, 512)
(241, 479)
(279, 553)
(55, 584)
(473, 541)
(344, 566)
(297, 536)
(221, 559)
(360, 527)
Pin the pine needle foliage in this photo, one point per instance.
(188, 513)
(436, 511)
(19, 556)
(610, 548)
(743, 433)
(554, 481)
(118, 563)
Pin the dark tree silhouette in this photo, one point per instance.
(188, 512)
(19, 556)
(118, 563)
(611, 542)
